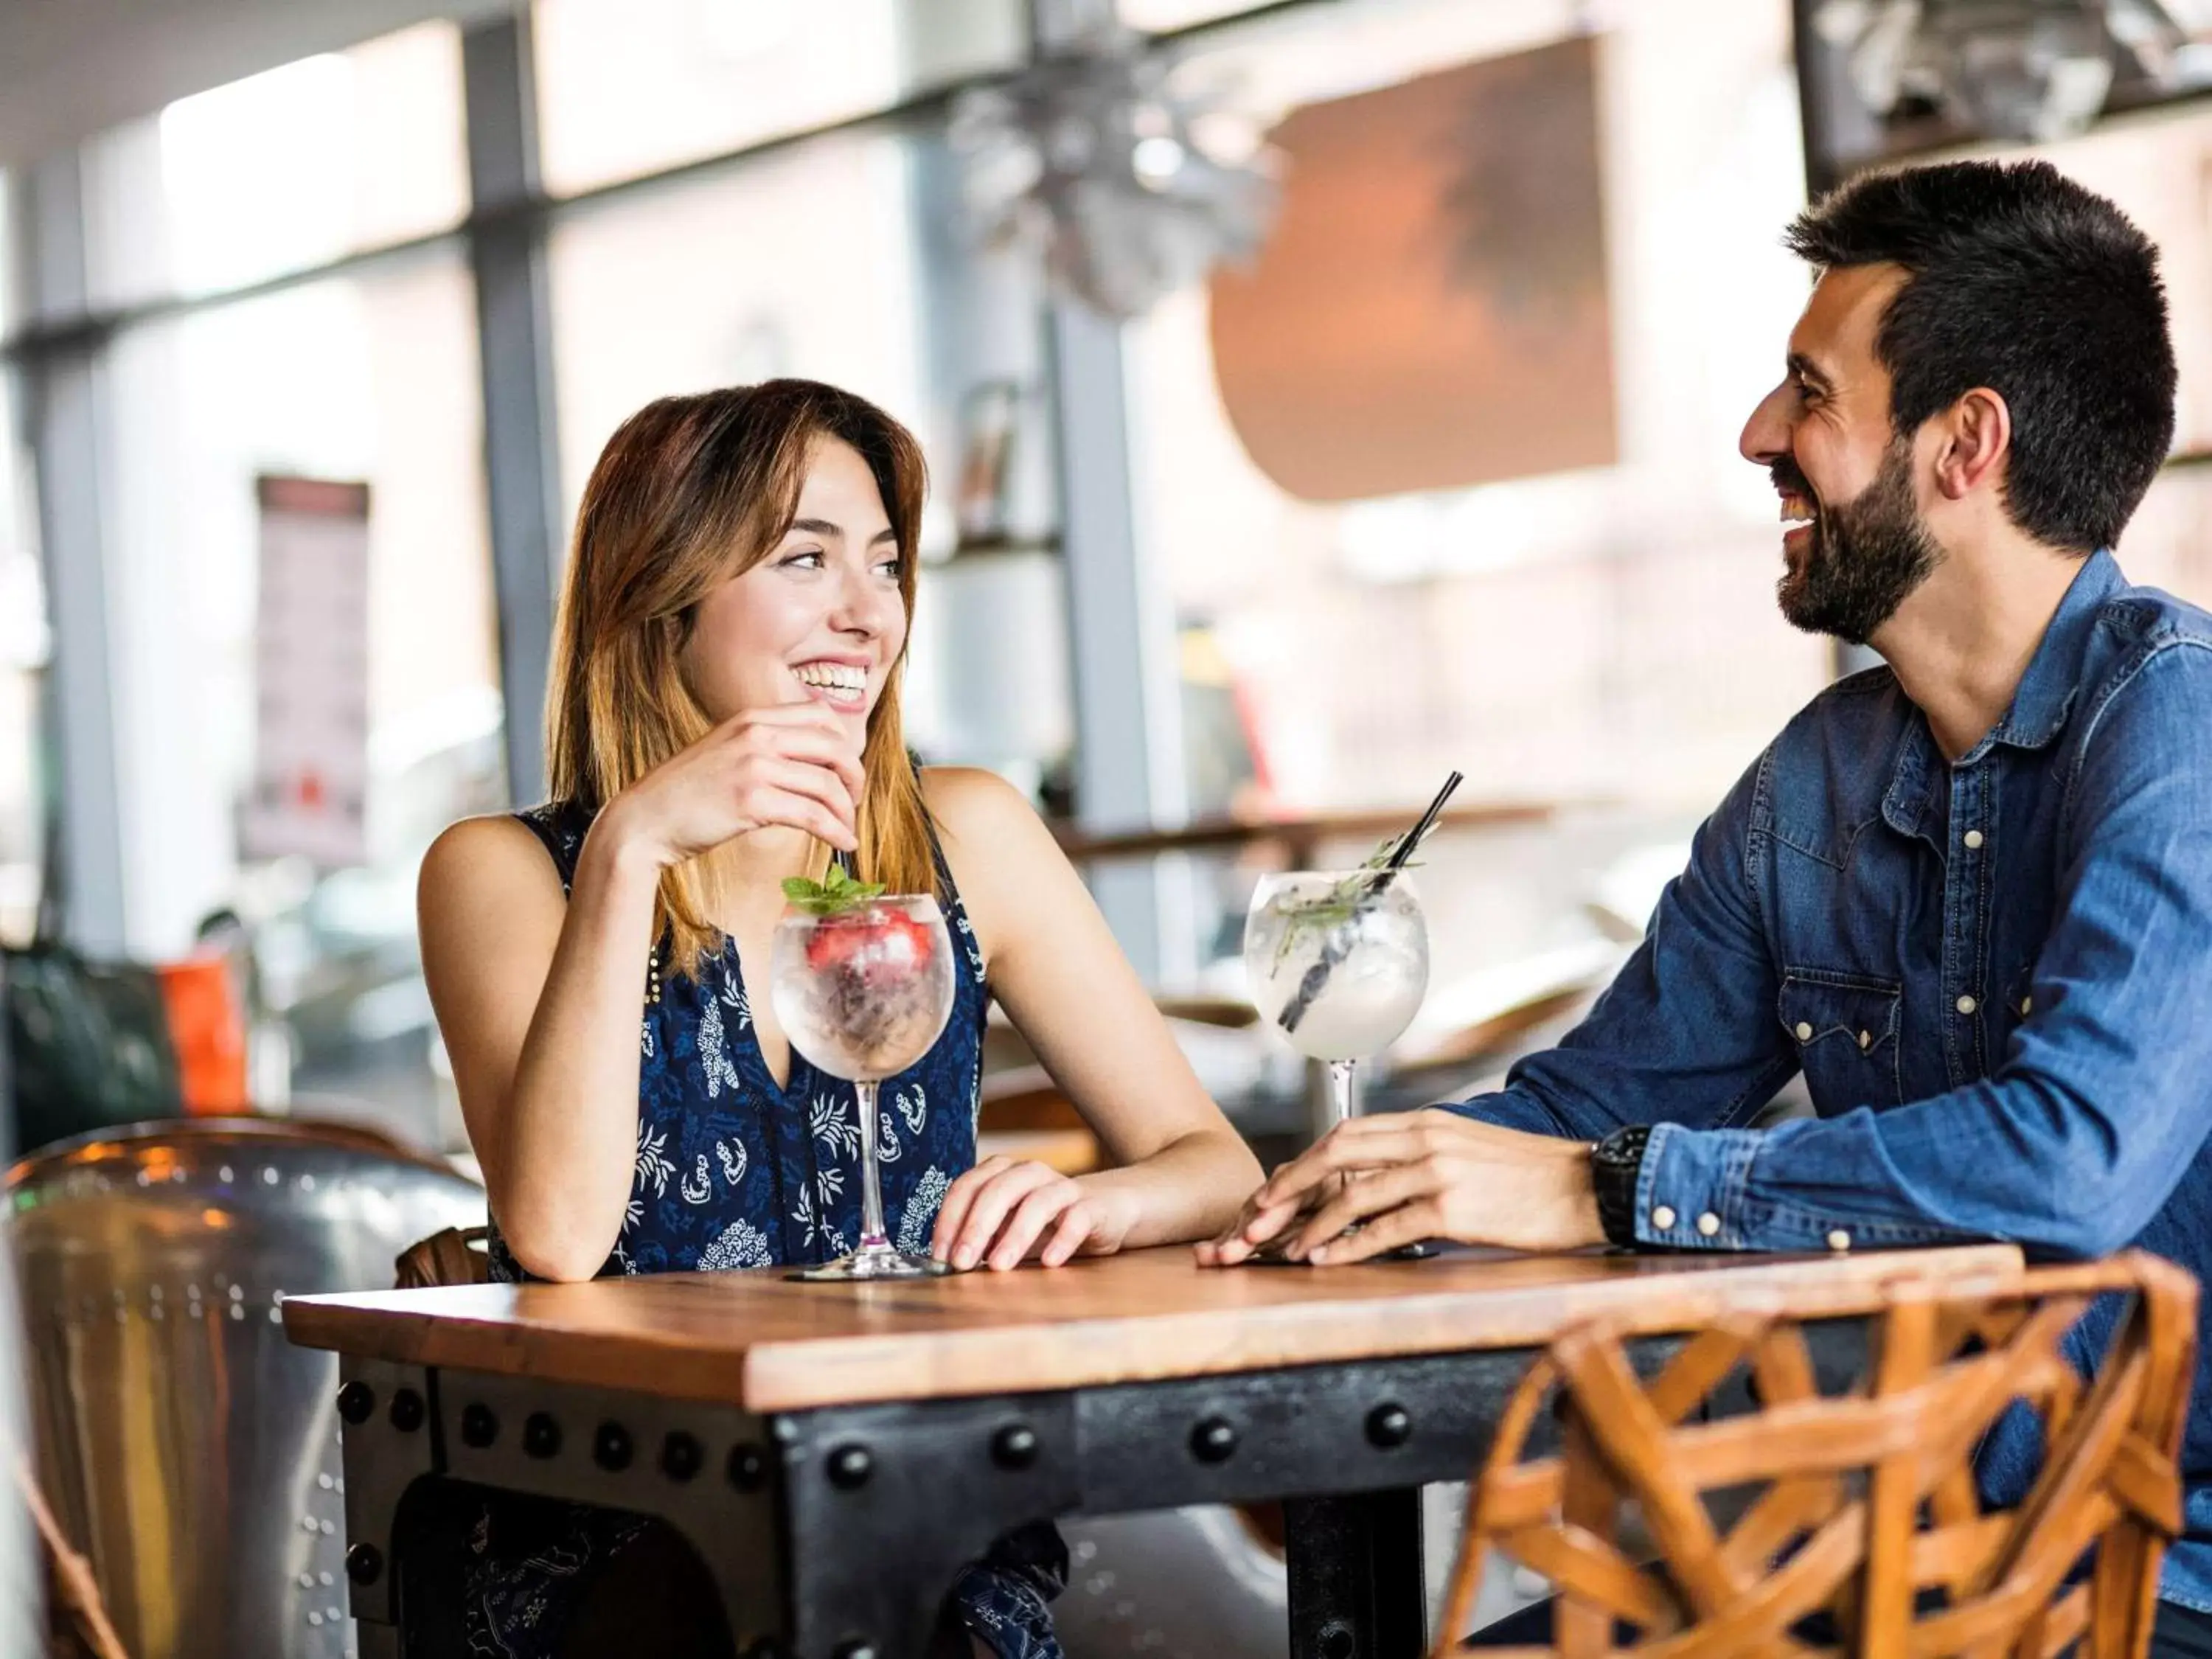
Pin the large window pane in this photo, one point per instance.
(365, 378)
(24, 646)
(629, 86)
(280, 172)
(1595, 628)
(842, 259)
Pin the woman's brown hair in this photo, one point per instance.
(688, 493)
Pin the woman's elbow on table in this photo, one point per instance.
(561, 1255)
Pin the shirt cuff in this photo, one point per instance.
(1694, 1192)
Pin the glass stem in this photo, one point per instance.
(1340, 1089)
(871, 1196)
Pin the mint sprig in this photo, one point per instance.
(1324, 913)
(833, 896)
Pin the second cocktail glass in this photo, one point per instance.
(1339, 962)
(864, 993)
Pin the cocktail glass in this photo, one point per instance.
(1339, 962)
(864, 993)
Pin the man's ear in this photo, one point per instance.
(1976, 437)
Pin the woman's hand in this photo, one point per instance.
(797, 764)
(1004, 1210)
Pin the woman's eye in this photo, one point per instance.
(811, 558)
(894, 569)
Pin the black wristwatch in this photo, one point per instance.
(1615, 1163)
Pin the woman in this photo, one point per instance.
(723, 715)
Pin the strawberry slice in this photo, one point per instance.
(876, 943)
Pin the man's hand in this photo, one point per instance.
(1412, 1176)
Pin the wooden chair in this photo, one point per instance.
(1860, 1505)
(452, 1255)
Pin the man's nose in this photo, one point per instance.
(1766, 433)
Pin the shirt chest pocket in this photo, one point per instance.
(1844, 1029)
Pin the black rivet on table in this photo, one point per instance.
(764, 1647)
(858, 1648)
(363, 1563)
(748, 1469)
(541, 1435)
(610, 1447)
(1014, 1447)
(479, 1427)
(1214, 1440)
(681, 1454)
(407, 1412)
(850, 1465)
(1388, 1427)
(1337, 1641)
(355, 1401)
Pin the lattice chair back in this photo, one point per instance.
(1858, 1509)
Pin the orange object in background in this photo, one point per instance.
(207, 1026)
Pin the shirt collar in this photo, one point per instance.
(2045, 694)
(2039, 706)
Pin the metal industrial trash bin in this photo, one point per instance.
(187, 1448)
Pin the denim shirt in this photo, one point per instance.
(1989, 972)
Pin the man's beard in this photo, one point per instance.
(1864, 557)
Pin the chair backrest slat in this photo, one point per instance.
(1851, 1519)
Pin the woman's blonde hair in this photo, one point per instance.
(689, 492)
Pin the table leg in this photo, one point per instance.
(1356, 1589)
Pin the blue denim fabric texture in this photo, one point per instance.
(1987, 971)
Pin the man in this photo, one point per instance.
(1968, 894)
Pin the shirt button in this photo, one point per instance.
(1866, 1041)
(1973, 840)
(1804, 1031)
(1840, 1240)
(1968, 1005)
(1709, 1224)
(1662, 1218)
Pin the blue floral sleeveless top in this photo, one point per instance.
(736, 1170)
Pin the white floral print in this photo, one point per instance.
(914, 1106)
(803, 1215)
(632, 1213)
(645, 1038)
(740, 1244)
(714, 1052)
(653, 1164)
(829, 1182)
(732, 997)
(920, 1220)
(887, 1140)
(731, 1156)
(698, 1187)
(833, 1125)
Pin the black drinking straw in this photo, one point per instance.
(1340, 936)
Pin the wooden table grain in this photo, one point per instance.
(766, 1343)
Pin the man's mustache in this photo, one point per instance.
(1786, 476)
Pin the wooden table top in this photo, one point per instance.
(767, 1343)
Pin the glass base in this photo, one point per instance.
(873, 1261)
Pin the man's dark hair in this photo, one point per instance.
(2027, 283)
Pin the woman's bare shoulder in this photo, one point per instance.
(494, 859)
(969, 801)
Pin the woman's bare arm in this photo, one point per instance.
(540, 1001)
(1181, 1169)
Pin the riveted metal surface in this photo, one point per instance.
(152, 1262)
